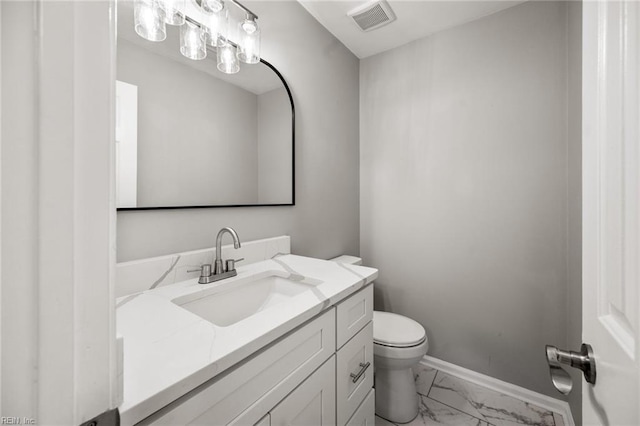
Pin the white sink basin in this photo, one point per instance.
(240, 299)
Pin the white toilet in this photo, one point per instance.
(399, 343)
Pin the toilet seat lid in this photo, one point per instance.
(396, 330)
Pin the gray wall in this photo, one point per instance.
(184, 131)
(464, 166)
(274, 147)
(323, 77)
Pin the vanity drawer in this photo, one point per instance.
(353, 313)
(354, 359)
(244, 394)
(365, 415)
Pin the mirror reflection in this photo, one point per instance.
(188, 135)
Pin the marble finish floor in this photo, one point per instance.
(448, 400)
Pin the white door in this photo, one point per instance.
(611, 213)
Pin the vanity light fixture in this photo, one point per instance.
(196, 37)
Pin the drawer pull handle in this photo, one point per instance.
(363, 368)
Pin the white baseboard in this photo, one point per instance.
(543, 401)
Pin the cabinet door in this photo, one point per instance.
(352, 314)
(365, 414)
(311, 403)
(354, 373)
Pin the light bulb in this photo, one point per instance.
(214, 6)
(249, 26)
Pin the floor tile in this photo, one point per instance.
(455, 393)
(482, 403)
(424, 376)
(434, 413)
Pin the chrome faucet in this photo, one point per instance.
(221, 270)
(217, 266)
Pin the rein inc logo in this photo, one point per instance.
(5, 420)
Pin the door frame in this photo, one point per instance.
(61, 267)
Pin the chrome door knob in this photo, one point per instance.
(584, 360)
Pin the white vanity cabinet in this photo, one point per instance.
(318, 374)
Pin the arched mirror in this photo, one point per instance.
(190, 136)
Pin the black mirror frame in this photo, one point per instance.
(293, 165)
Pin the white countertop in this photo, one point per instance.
(169, 351)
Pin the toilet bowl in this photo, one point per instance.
(399, 343)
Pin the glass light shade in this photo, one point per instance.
(215, 27)
(249, 42)
(214, 6)
(149, 20)
(173, 11)
(192, 43)
(227, 59)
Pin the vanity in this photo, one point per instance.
(287, 341)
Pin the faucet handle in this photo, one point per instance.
(205, 270)
(231, 263)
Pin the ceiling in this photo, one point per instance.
(415, 19)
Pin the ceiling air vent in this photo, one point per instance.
(372, 15)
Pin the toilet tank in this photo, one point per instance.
(349, 260)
